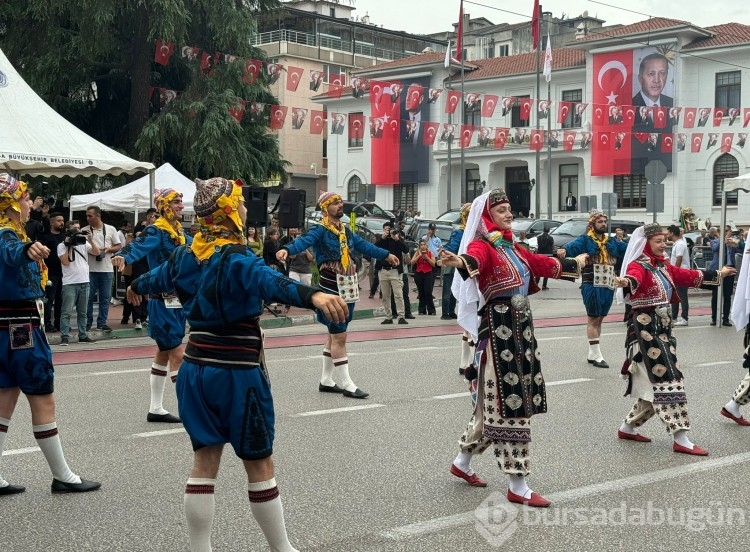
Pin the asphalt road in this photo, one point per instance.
(373, 475)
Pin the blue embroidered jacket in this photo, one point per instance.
(454, 241)
(19, 274)
(228, 287)
(326, 247)
(153, 243)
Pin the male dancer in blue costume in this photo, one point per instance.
(223, 389)
(603, 253)
(331, 242)
(167, 327)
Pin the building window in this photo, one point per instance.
(489, 51)
(325, 148)
(472, 185)
(515, 120)
(404, 196)
(726, 166)
(574, 96)
(332, 12)
(333, 73)
(352, 190)
(728, 89)
(473, 114)
(568, 183)
(503, 50)
(630, 190)
(356, 129)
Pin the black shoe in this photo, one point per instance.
(545, 288)
(599, 363)
(124, 322)
(163, 418)
(461, 371)
(713, 323)
(88, 328)
(86, 339)
(726, 323)
(445, 317)
(64, 341)
(329, 388)
(356, 394)
(454, 316)
(402, 321)
(49, 329)
(371, 296)
(104, 328)
(11, 490)
(83, 487)
(432, 313)
(409, 316)
(387, 321)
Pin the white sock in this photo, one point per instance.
(341, 368)
(465, 352)
(4, 423)
(327, 377)
(200, 505)
(463, 463)
(681, 438)
(158, 381)
(517, 485)
(733, 407)
(48, 439)
(595, 353)
(627, 428)
(265, 504)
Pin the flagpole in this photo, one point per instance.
(549, 152)
(537, 153)
(463, 121)
(450, 122)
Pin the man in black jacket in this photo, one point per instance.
(389, 275)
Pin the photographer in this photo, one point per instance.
(389, 275)
(101, 271)
(424, 277)
(73, 253)
(39, 222)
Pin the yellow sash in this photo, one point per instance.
(340, 232)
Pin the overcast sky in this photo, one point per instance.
(429, 16)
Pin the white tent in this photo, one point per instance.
(36, 141)
(135, 197)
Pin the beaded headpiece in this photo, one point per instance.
(497, 196)
(217, 199)
(11, 192)
(652, 229)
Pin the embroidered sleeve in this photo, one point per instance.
(569, 269)
(470, 267)
(709, 277)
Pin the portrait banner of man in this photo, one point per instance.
(166, 95)
(472, 101)
(316, 78)
(620, 140)
(543, 109)
(585, 139)
(508, 103)
(501, 137)
(489, 104)
(257, 110)
(317, 121)
(359, 87)
(396, 89)
(434, 95)
(741, 138)
(274, 72)
(484, 139)
(376, 127)
(674, 116)
(733, 113)
(681, 142)
(190, 52)
(229, 58)
(615, 115)
(448, 133)
(553, 139)
(299, 115)
(293, 77)
(703, 115)
(713, 138)
(338, 122)
(519, 136)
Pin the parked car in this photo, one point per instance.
(453, 216)
(572, 228)
(314, 215)
(418, 228)
(533, 227)
(368, 209)
(373, 224)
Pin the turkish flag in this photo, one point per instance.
(467, 132)
(569, 139)
(278, 116)
(746, 117)
(641, 136)
(293, 76)
(501, 137)
(205, 61)
(385, 153)
(628, 115)
(612, 87)
(667, 142)
(536, 140)
(430, 133)
(335, 85)
(238, 111)
(660, 117)
(163, 52)
(563, 110)
(718, 115)
(317, 121)
(525, 108)
(690, 117)
(489, 105)
(376, 91)
(726, 142)
(356, 126)
(696, 142)
(414, 97)
(252, 70)
(452, 100)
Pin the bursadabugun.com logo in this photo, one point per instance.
(498, 519)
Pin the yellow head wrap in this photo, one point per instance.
(168, 221)
(216, 200)
(326, 198)
(11, 192)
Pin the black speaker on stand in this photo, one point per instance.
(256, 201)
(292, 208)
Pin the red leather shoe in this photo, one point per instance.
(737, 419)
(536, 500)
(695, 451)
(474, 480)
(633, 437)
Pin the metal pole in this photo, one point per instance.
(450, 166)
(722, 251)
(537, 153)
(549, 157)
(463, 121)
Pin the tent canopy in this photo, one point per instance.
(134, 197)
(36, 141)
(741, 182)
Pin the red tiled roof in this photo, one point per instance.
(726, 34)
(562, 58)
(649, 25)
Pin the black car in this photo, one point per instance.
(419, 228)
(368, 209)
(532, 227)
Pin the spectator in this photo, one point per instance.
(391, 282)
(727, 284)
(270, 246)
(73, 257)
(545, 246)
(140, 311)
(299, 265)
(523, 241)
(101, 272)
(194, 229)
(128, 309)
(680, 258)
(53, 300)
(704, 240)
(125, 229)
(254, 241)
(424, 277)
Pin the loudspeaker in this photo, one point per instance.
(256, 201)
(292, 208)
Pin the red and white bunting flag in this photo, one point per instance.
(163, 52)
(317, 121)
(569, 139)
(356, 126)
(536, 140)
(489, 104)
(696, 142)
(667, 142)
(718, 115)
(278, 116)
(252, 70)
(238, 110)
(690, 113)
(293, 77)
(205, 61)
(628, 115)
(726, 142)
(501, 137)
(563, 110)
(467, 132)
(604, 142)
(660, 117)
(430, 133)
(452, 100)
(525, 108)
(746, 117)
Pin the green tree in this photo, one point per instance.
(93, 61)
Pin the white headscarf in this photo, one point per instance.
(468, 298)
(636, 244)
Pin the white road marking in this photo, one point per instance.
(337, 410)
(554, 338)
(113, 372)
(159, 433)
(718, 362)
(466, 393)
(565, 382)
(421, 528)
(21, 451)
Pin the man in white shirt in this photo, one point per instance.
(680, 257)
(75, 280)
(101, 272)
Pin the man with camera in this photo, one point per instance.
(53, 293)
(73, 253)
(101, 272)
(390, 275)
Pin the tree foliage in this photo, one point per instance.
(92, 61)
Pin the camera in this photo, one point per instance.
(75, 237)
(50, 201)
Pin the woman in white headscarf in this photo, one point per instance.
(654, 378)
(496, 278)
